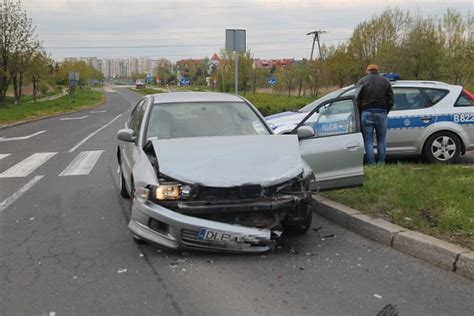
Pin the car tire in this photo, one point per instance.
(443, 147)
(304, 225)
(123, 188)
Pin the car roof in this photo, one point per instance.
(178, 97)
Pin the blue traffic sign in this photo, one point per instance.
(272, 81)
(184, 81)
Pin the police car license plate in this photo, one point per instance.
(215, 235)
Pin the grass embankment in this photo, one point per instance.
(146, 91)
(84, 99)
(435, 199)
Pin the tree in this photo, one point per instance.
(422, 51)
(457, 66)
(340, 66)
(87, 73)
(40, 67)
(17, 41)
(287, 75)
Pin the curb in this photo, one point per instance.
(433, 250)
(100, 103)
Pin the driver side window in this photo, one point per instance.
(336, 118)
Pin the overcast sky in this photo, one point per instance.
(194, 29)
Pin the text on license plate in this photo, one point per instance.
(209, 234)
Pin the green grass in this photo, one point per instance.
(269, 104)
(146, 91)
(84, 99)
(435, 199)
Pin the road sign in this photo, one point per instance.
(235, 40)
(184, 81)
(272, 81)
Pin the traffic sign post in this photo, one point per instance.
(73, 81)
(235, 40)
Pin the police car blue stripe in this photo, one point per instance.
(417, 122)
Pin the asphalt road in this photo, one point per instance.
(65, 248)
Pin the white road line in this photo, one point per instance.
(4, 156)
(27, 166)
(92, 134)
(21, 137)
(103, 111)
(73, 118)
(82, 164)
(15, 196)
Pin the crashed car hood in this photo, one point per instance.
(227, 161)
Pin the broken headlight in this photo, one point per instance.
(170, 191)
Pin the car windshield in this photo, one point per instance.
(199, 119)
(309, 107)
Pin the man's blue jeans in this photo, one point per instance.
(374, 120)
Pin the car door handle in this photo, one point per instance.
(426, 118)
(352, 146)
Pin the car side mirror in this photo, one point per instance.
(305, 132)
(126, 134)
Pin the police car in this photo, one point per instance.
(429, 118)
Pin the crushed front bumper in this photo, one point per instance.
(163, 226)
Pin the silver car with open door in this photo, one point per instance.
(204, 170)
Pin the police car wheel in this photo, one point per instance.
(442, 147)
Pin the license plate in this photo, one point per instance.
(215, 235)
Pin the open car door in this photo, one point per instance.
(331, 143)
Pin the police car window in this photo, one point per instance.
(435, 95)
(332, 119)
(464, 100)
(408, 99)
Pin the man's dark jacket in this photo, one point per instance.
(375, 93)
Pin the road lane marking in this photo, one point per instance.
(103, 111)
(27, 166)
(73, 118)
(15, 196)
(3, 139)
(4, 156)
(92, 134)
(82, 164)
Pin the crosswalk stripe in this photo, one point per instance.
(4, 156)
(27, 166)
(82, 164)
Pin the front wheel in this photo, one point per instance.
(122, 186)
(442, 147)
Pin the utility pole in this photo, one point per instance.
(316, 37)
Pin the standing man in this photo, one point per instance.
(374, 100)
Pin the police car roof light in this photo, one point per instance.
(392, 76)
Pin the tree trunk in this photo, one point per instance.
(34, 81)
(20, 87)
(15, 87)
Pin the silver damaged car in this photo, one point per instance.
(204, 171)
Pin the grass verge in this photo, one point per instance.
(435, 199)
(84, 99)
(146, 91)
(269, 104)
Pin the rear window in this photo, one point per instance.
(465, 99)
(435, 95)
(408, 99)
